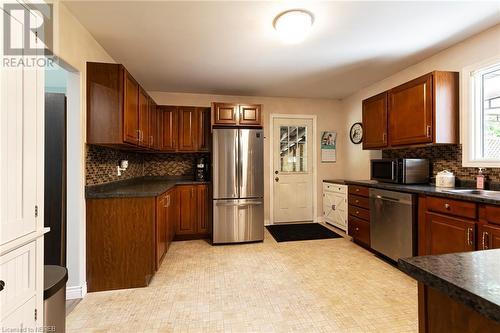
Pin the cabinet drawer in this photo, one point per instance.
(17, 270)
(359, 230)
(337, 188)
(358, 201)
(359, 190)
(492, 214)
(359, 212)
(452, 207)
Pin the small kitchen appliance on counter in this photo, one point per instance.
(201, 169)
(400, 170)
(445, 178)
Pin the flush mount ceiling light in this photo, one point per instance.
(293, 25)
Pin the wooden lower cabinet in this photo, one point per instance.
(446, 234)
(120, 243)
(359, 214)
(489, 237)
(127, 238)
(193, 219)
(162, 228)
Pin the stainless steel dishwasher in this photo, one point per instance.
(393, 223)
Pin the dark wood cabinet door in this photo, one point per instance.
(169, 127)
(489, 237)
(154, 128)
(375, 122)
(187, 210)
(188, 130)
(410, 112)
(446, 234)
(161, 229)
(173, 213)
(202, 209)
(130, 110)
(203, 123)
(225, 114)
(250, 115)
(144, 138)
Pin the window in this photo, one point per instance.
(482, 118)
(293, 154)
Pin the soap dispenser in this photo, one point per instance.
(480, 179)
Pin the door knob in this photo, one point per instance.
(2, 285)
(276, 172)
(277, 179)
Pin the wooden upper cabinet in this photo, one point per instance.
(131, 133)
(419, 112)
(250, 115)
(203, 123)
(446, 234)
(188, 129)
(144, 139)
(375, 122)
(168, 118)
(154, 126)
(225, 114)
(118, 108)
(410, 112)
(228, 114)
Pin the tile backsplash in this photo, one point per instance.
(443, 157)
(101, 164)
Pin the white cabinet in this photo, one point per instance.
(335, 205)
(21, 183)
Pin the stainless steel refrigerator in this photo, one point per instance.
(238, 183)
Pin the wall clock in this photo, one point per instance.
(356, 133)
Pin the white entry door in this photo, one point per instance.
(292, 170)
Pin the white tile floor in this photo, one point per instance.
(309, 286)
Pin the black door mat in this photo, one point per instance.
(300, 231)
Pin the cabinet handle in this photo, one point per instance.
(138, 135)
(151, 140)
(447, 206)
(357, 212)
(485, 240)
(357, 190)
(469, 233)
(428, 131)
(2, 285)
(384, 137)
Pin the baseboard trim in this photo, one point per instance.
(76, 292)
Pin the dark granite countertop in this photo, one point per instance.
(472, 278)
(137, 187)
(426, 189)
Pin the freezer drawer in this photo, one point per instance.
(238, 221)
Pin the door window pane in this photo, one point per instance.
(293, 149)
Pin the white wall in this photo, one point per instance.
(75, 46)
(470, 51)
(330, 117)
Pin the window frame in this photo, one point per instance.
(472, 125)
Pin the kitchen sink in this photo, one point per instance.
(486, 193)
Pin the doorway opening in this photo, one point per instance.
(63, 204)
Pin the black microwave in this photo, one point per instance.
(400, 170)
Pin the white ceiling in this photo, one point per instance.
(231, 48)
